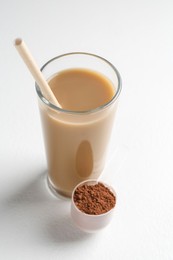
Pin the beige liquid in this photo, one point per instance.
(76, 143)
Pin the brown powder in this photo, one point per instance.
(94, 199)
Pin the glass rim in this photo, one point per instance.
(74, 112)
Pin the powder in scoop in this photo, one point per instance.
(94, 199)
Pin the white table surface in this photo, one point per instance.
(137, 37)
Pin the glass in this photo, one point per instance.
(75, 138)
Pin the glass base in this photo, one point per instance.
(57, 193)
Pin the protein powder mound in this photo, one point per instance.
(94, 199)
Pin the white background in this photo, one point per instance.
(137, 37)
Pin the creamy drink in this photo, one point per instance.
(77, 134)
(81, 89)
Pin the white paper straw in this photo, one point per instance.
(35, 71)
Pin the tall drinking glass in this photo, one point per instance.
(76, 141)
